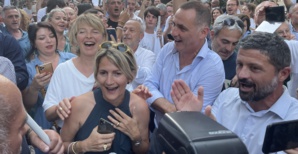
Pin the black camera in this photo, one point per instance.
(275, 14)
(194, 133)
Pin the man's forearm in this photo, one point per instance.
(163, 106)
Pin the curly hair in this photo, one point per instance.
(25, 20)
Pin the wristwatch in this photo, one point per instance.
(137, 142)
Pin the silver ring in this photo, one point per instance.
(117, 125)
(60, 108)
(105, 146)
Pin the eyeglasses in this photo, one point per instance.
(231, 22)
(119, 46)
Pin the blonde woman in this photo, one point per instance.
(76, 76)
(128, 113)
(58, 19)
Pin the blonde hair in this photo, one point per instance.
(125, 61)
(25, 21)
(89, 19)
(51, 14)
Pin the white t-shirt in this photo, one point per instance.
(145, 60)
(135, 17)
(252, 23)
(67, 81)
(151, 42)
(40, 13)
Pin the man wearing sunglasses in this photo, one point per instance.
(225, 34)
(188, 58)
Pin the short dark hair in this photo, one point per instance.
(52, 4)
(203, 13)
(82, 7)
(94, 11)
(237, 2)
(244, 17)
(153, 10)
(271, 45)
(251, 7)
(32, 30)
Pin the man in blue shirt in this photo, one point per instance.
(12, 20)
(263, 63)
(187, 58)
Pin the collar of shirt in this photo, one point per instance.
(280, 107)
(292, 28)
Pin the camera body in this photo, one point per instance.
(194, 133)
(275, 14)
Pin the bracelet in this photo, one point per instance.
(118, 27)
(73, 145)
(69, 147)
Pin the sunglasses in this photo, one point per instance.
(119, 46)
(231, 22)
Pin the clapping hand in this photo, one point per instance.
(184, 99)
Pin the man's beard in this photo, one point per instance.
(257, 94)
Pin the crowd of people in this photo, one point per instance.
(60, 64)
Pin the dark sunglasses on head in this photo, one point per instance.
(231, 22)
(119, 46)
